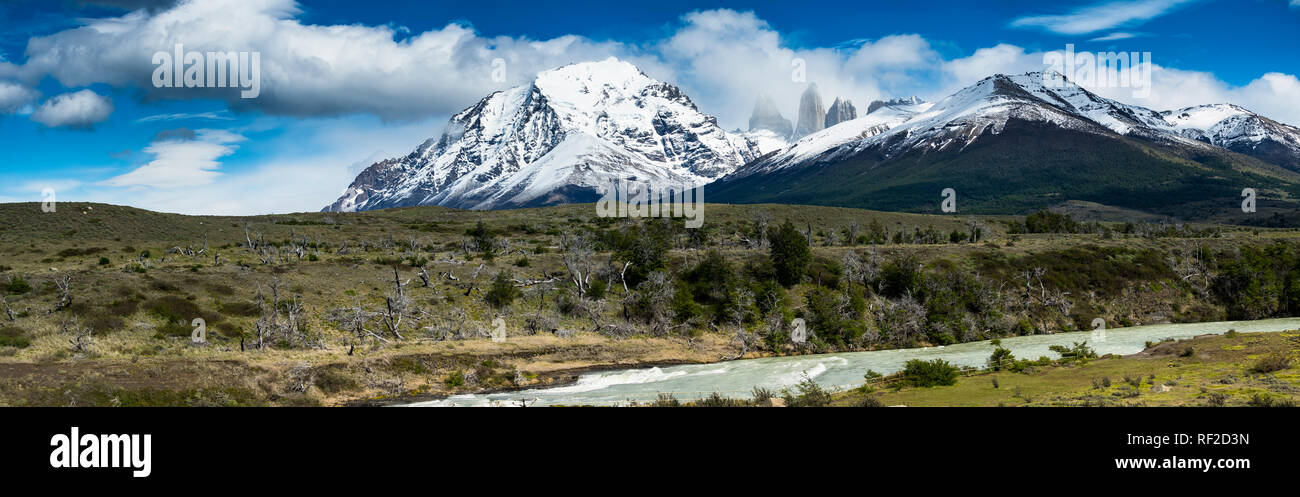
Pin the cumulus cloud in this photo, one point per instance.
(15, 97)
(725, 58)
(1101, 16)
(1273, 95)
(80, 109)
(306, 70)
(181, 158)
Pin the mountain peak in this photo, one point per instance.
(767, 116)
(812, 112)
(841, 110)
(573, 130)
(876, 105)
(610, 69)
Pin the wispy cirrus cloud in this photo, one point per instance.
(221, 115)
(1119, 35)
(1101, 16)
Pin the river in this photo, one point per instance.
(840, 370)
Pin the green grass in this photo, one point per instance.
(1219, 366)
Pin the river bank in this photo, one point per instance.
(842, 371)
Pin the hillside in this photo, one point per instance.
(99, 301)
(1029, 166)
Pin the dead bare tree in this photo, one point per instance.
(762, 219)
(8, 312)
(396, 307)
(424, 276)
(79, 336)
(576, 255)
(253, 243)
(64, 283)
(1191, 267)
(354, 320)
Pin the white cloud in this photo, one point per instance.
(80, 109)
(724, 59)
(1118, 35)
(313, 161)
(306, 70)
(181, 163)
(1101, 16)
(220, 115)
(1000, 59)
(14, 97)
(1273, 95)
(1295, 3)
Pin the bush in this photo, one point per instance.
(597, 289)
(806, 394)
(1266, 400)
(1271, 363)
(790, 254)
(1001, 359)
(870, 401)
(1079, 352)
(18, 285)
(13, 336)
(173, 308)
(103, 261)
(503, 291)
(484, 241)
(717, 400)
(926, 374)
(666, 400)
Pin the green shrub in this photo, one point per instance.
(1271, 363)
(1079, 352)
(597, 289)
(717, 400)
(806, 394)
(245, 309)
(790, 253)
(1001, 359)
(926, 374)
(870, 401)
(103, 261)
(503, 291)
(173, 308)
(18, 285)
(13, 336)
(666, 400)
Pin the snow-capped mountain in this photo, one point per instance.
(899, 125)
(1239, 130)
(894, 102)
(832, 138)
(557, 140)
(1019, 142)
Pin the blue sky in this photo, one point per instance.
(346, 83)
